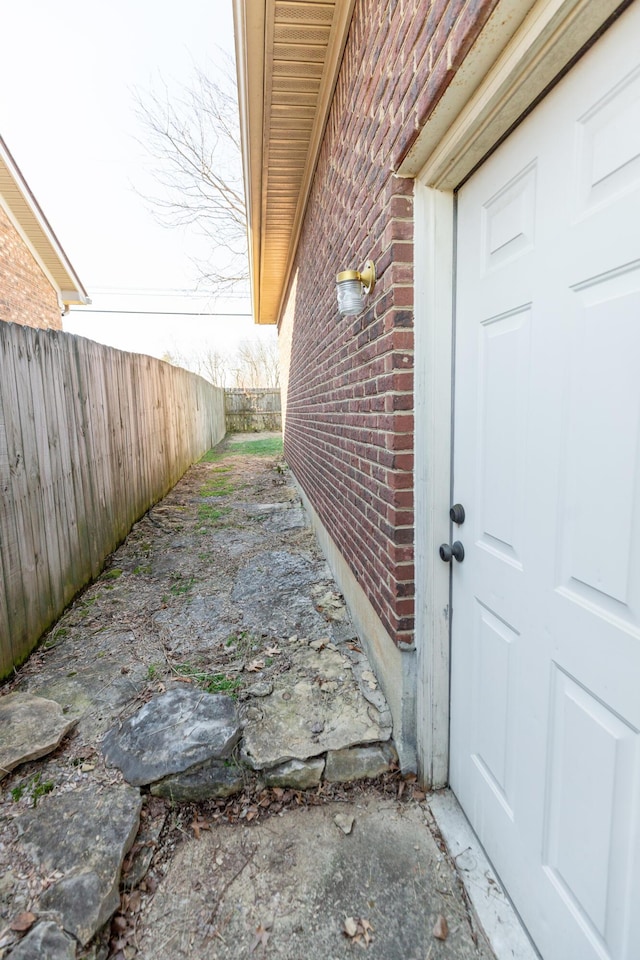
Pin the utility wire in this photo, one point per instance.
(163, 313)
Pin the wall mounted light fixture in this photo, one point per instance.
(352, 286)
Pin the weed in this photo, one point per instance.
(242, 639)
(152, 671)
(36, 786)
(184, 586)
(211, 457)
(55, 637)
(211, 682)
(113, 574)
(207, 512)
(146, 568)
(40, 788)
(216, 487)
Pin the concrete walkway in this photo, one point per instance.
(222, 781)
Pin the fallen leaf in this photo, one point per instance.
(359, 930)
(135, 902)
(23, 922)
(272, 651)
(354, 647)
(318, 645)
(441, 928)
(350, 926)
(197, 825)
(255, 665)
(366, 931)
(419, 795)
(262, 937)
(344, 821)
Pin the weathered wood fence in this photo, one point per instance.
(252, 410)
(90, 438)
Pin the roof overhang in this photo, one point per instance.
(288, 54)
(24, 210)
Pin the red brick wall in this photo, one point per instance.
(349, 422)
(26, 295)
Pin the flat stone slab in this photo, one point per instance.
(92, 695)
(179, 729)
(85, 835)
(46, 941)
(197, 624)
(289, 883)
(324, 710)
(273, 590)
(30, 727)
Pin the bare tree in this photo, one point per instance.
(193, 138)
(257, 364)
(254, 364)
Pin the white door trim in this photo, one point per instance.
(468, 123)
(433, 248)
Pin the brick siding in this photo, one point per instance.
(26, 295)
(349, 420)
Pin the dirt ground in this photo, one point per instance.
(164, 611)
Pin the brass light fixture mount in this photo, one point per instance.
(352, 286)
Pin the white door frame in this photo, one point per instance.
(507, 71)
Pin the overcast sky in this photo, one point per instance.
(68, 70)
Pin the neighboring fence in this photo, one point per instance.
(90, 438)
(252, 410)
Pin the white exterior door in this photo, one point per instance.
(545, 699)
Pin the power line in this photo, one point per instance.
(164, 292)
(162, 313)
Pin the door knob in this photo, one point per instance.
(456, 513)
(449, 551)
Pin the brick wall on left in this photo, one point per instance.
(26, 294)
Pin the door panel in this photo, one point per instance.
(545, 722)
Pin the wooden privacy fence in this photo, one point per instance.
(90, 438)
(252, 410)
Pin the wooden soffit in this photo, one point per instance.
(25, 213)
(288, 55)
